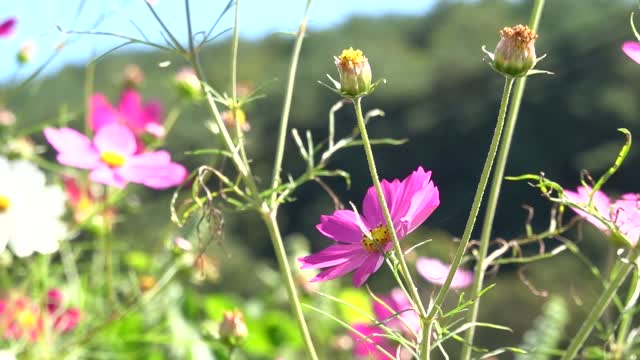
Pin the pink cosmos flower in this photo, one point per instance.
(624, 213)
(435, 271)
(131, 112)
(632, 50)
(112, 157)
(398, 303)
(362, 240)
(8, 27)
(365, 342)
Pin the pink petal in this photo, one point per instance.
(632, 49)
(371, 210)
(340, 270)
(435, 271)
(371, 264)
(8, 27)
(101, 112)
(398, 302)
(106, 175)
(131, 110)
(365, 338)
(331, 256)
(74, 149)
(117, 138)
(342, 226)
(600, 201)
(626, 214)
(154, 170)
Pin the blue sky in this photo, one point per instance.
(37, 21)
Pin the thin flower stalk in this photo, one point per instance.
(475, 207)
(601, 304)
(494, 192)
(627, 317)
(404, 269)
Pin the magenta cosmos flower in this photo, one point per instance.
(112, 157)
(131, 112)
(624, 213)
(435, 272)
(365, 338)
(362, 240)
(8, 27)
(632, 50)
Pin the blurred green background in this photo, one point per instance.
(441, 97)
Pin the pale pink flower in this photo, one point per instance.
(112, 157)
(435, 271)
(131, 112)
(624, 213)
(365, 338)
(8, 27)
(632, 50)
(408, 320)
(362, 240)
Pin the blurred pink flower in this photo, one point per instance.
(398, 303)
(624, 213)
(8, 27)
(112, 157)
(435, 271)
(632, 49)
(365, 340)
(21, 318)
(362, 240)
(131, 112)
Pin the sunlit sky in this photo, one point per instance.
(38, 21)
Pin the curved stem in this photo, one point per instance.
(404, 269)
(600, 306)
(270, 219)
(477, 200)
(494, 193)
(286, 108)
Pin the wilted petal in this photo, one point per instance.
(435, 271)
(116, 138)
(342, 226)
(74, 149)
(632, 49)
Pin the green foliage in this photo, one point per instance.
(542, 341)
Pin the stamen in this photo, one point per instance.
(4, 203)
(378, 239)
(112, 158)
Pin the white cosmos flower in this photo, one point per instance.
(30, 210)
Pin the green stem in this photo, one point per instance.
(477, 200)
(494, 193)
(600, 306)
(286, 108)
(627, 317)
(404, 269)
(270, 219)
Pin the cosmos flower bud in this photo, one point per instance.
(515, 53)
(233, 329)
(355, 73)
(132, 76)
(188, 84)
(26, 52)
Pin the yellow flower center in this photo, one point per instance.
(350, 56)
(378, 239)
(4, 203)
(26, 318)
(112, 158)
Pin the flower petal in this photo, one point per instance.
(436, 272)
(101, 112)
(342, 226)
(74, 149)
(632, 50)
(154, 170)
(371, 264)
(600, 201)
(332, 256)
(365, 338)
(8, 27)
(131, 110)
(340, 270)
(106, 175)
(117, 138)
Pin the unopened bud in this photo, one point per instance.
(188, 84)
(26, 52)
(233, 328)
(515, 53)
(133, 76)
(355, 73)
